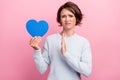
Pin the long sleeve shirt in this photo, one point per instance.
(77, 59)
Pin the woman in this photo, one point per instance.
(67, 53)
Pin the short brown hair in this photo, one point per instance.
(72, 7)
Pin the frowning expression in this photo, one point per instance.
(68, 19)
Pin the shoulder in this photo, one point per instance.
(79, 37)
(82, 39)
(52, 37)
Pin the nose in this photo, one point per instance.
(67, 18)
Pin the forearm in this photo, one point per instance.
(40, 62)
(82, 67)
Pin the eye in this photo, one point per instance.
(71, 15)
(63, 16)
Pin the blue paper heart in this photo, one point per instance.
(35, 28)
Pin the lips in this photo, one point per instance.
(67, 23)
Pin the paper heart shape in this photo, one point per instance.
(35, 28)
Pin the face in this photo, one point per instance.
(68, 19)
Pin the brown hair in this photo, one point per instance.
(72, 7)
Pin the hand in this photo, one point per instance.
(63, 45)
(34, 43)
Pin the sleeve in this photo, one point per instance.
(41, 58)
(83, 65)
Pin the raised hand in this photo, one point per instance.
(34, 43)
(63, 45)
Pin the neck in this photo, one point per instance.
(68, 33)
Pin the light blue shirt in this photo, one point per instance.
(77, 59)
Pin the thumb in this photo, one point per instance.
(63, 35)
(63, 42)
(63, 49)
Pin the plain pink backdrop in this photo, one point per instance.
(100, 25)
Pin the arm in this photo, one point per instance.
(83, 65)
(41, 58)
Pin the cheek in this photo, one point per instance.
(62, 21)
(74, 21)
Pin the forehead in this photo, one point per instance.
(66, 11)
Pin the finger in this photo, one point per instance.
(31, 40)
(63, 42)
(63, 35)
(35, 39)
(38, 39)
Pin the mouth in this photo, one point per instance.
(67, 23)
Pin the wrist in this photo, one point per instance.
(37, 48)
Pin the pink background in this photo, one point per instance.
(101, 25)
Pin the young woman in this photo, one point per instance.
(67, 53)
